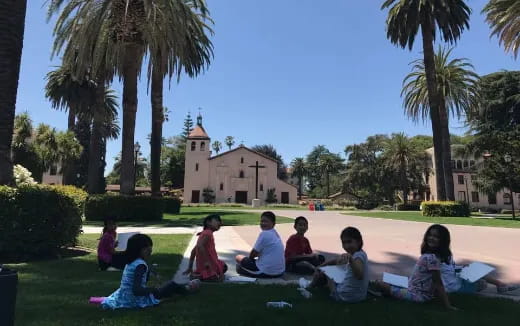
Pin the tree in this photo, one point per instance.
(217, 146)
(456, 90)
(502, 16)
(23, 150)
(188, 126)
(271, 152)
(230, 141)
(450, 18)
(172, 162)
(12, 26)
(314, 173)
(299, 171)
(141, 177)
(330, 164)
(187, 49)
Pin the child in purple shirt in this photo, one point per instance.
(107, 254)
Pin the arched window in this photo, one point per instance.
(507, 199)
(202, 146)
(471, 163)
(466, 164)
(261, 187)
(193, 145)
(242, 160)
(459, 164)
(241, 175)
(196, 166)
(221, 186)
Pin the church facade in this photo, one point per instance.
(236, 176)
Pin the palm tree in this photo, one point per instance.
(330, 164)
(450, 18)
(299, 170)
(502, 16)
(12, 25)
(23, 150)
(180, 45)
(230, 141)
(457, 90)
(217, 146)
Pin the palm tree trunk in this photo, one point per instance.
(431, 81)
(328, 184)
(446, 148)
(130, 74)
(300, 188)
(71, 121)
(12, 26)
(156, 138)
(69, 166)
(96, 139)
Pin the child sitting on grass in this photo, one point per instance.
(266, 260)
(133, 292)
(425, 283)
(355, 284)
(209, 267)
(299, 257)
(108, 257)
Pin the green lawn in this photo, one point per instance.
(53, 293)
(191, 216)
(503, 222)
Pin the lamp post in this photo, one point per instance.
(508, 159)
(137, 149)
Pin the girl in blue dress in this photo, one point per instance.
(133, 292)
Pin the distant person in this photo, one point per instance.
(425, 283)
(299, 257)
(133, 292)
(266, 260)
(208, 268)
(354, 286)
(108, 257)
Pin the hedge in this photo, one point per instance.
(38, 220)
(172, 205)
(445, 208)
(408, 207)
(124, 208)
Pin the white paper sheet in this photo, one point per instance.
(336, 273)
(475, 271)
(240, 279)
(122, 239)
(397, 280)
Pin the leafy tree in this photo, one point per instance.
(172, 162)
(23, 149)
(314, 173)
(141, 176)
(502, 16)
(270, 151)
(12, 20)
(217, 146)
(456, 88)
(330, 164)
(422, 142)
(230, 141)
(299, 171)
(449, 18)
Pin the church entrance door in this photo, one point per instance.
(195, 196)
(241, 197)
(285, 197)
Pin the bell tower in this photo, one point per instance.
(196, 164)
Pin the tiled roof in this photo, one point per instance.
(198, 133)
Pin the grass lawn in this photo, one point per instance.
(504, 222)
(56, 292)
(191, 216)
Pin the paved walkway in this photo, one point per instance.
(143, 229)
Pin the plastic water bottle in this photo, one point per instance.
(279, 305)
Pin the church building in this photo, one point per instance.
(237, 176)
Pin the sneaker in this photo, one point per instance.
(193, 285)
(304, 283)
(507, 288)
(113, 269)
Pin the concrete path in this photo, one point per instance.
(143, 229)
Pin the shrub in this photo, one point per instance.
(385, 207)
(208, 195)
(78, 195)
(171, 205)
(22, 176)
(506, 211)
(124, 208)
(366, 204)
(37, 221)
(445, 208)
(326, 202)
(344, 202)
(271, 196)
(408, 207)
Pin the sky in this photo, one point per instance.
(291, 73)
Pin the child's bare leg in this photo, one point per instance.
(494, 281)
(383, 287)
(317, 279)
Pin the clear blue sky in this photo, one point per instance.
(292, 73)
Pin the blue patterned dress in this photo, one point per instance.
(124, 296)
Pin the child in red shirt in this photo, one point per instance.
(208, 266)
(299, 257)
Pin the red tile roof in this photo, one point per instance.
(198, 133)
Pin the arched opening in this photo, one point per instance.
(193, 145)
(459, 164)
(221, 186)
(242, 160)
(261, 187)
(241, 175)
(466, 164)
(202, 146)
(196, 166)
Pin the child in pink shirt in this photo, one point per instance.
(107, 254)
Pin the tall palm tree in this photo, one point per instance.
(230, 141)
(12, 26)
(180, 45)
(457, 90)
(299, 171)
(450, 18)
(217, 146)
(502, 16)
(330, 164)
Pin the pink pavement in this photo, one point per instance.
(394, 245)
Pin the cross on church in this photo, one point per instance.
(256, 167)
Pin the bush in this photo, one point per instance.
(124, 208)
(506, 211)
(445, 208)
(385, 208)
(171, 205)
(408, 207)
(208, 195)
(37, 221)
(366, 204)
(78, 195)
(271, 196)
